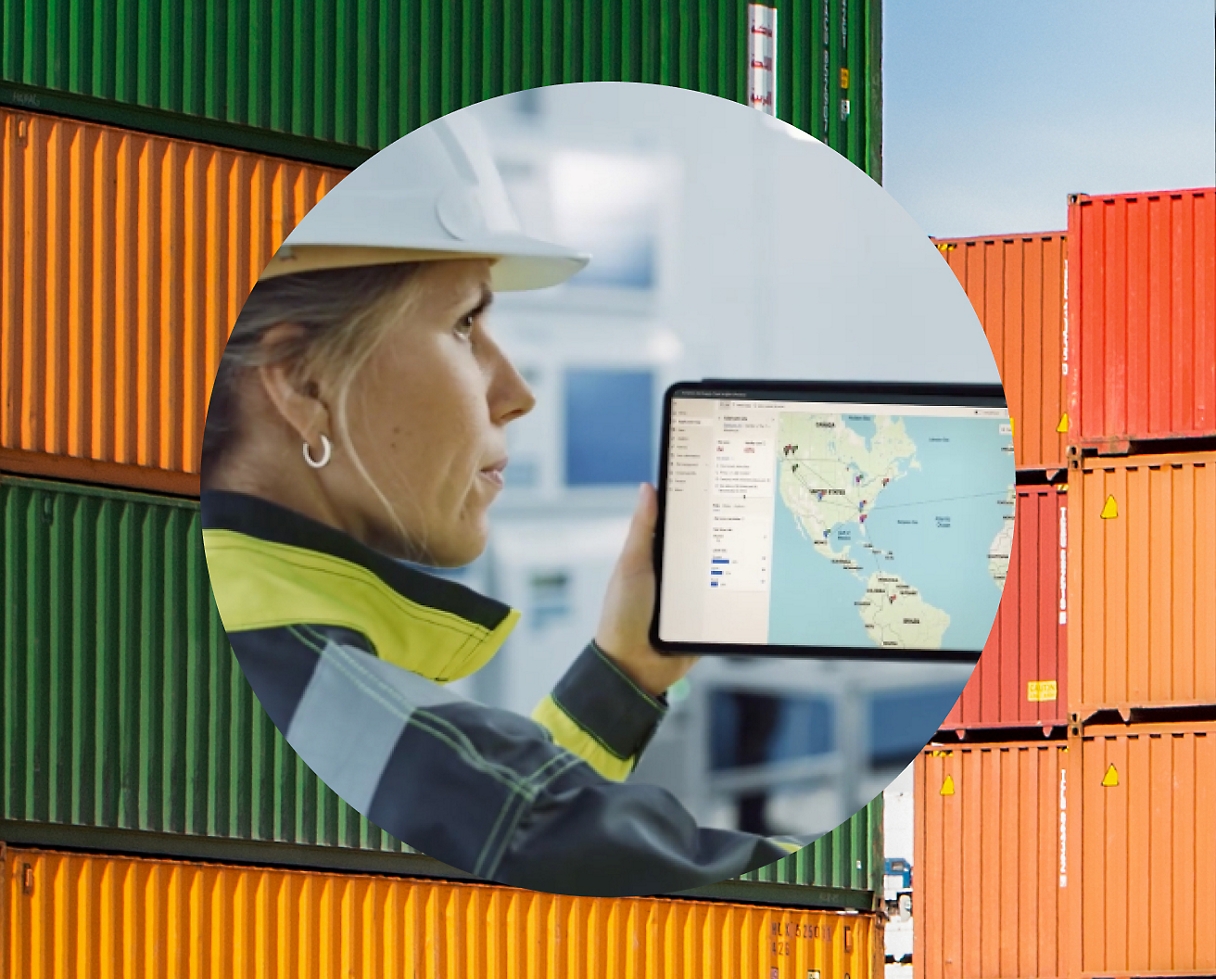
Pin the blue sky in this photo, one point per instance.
(995, 110)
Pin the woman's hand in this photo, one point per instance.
(624, 629)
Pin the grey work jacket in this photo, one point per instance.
(349, 652)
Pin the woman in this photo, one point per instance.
(358, 421)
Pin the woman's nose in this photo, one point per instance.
(510, 395)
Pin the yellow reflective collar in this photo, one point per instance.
(261, 584)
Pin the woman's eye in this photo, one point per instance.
(465, 326)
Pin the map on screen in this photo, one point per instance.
(816, 524)
(878, 512)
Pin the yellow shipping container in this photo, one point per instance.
(68, 914)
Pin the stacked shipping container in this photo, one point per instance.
(1142, 665)
(141, 917)
(1086, 854)
(989, 861)
(1144, 842)
(1143, 580)
(125, 725)
(1021, 678)
(987, 813)
(1142, 320)
(1016, 286)
(111, 328)
(332, 81)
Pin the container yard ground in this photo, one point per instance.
(897, 935)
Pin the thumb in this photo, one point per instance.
(639, 544)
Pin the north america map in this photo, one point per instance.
(890, 531)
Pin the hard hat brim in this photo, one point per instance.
(519, 262)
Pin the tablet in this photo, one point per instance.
(843, 520)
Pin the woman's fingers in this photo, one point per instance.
(624, 630)
(637, 554)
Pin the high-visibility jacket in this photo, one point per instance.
(350, 652)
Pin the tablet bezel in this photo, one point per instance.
(913, 393)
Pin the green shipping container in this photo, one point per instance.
(127, 726)
(331, 81)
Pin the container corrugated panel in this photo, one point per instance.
(333, 80)
(1142, 579)
(1021, 678)
(1016, 285)
(848, 858)
(1140, 865)
(1141, 318)
(122, 707)
(82, 916)
(990, 859)
(124, 261)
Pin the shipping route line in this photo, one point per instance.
(943, 499)
(1000, 494)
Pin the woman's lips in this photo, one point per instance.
(494, 473)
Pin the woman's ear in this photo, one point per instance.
(299, 403)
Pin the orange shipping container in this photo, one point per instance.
(989, 859)
(124, 260)
(1142, 577)
(1016, 284)
(80, 916)
(1140, 871)
(1142, 318)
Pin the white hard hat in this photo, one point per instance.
(433, 194)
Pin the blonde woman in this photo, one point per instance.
(358, 420)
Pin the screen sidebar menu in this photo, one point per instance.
(718, 533)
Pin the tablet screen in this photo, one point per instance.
(863, 519)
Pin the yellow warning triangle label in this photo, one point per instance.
(1063, 426)
(948, 785)
(1111, 509)
(1111, 778)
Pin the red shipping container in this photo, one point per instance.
(1140, 326)
(1016, 284)
(1140, 867)
(990, 882)
(1020, 680)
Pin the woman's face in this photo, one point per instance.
(427, 414)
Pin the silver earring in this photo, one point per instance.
(326, 448)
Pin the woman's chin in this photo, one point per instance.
(462, 548)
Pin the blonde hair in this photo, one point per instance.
(343, 314)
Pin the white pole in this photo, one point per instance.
(762, 58)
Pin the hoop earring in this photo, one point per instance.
(326, 448)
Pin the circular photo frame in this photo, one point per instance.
(430, 483)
